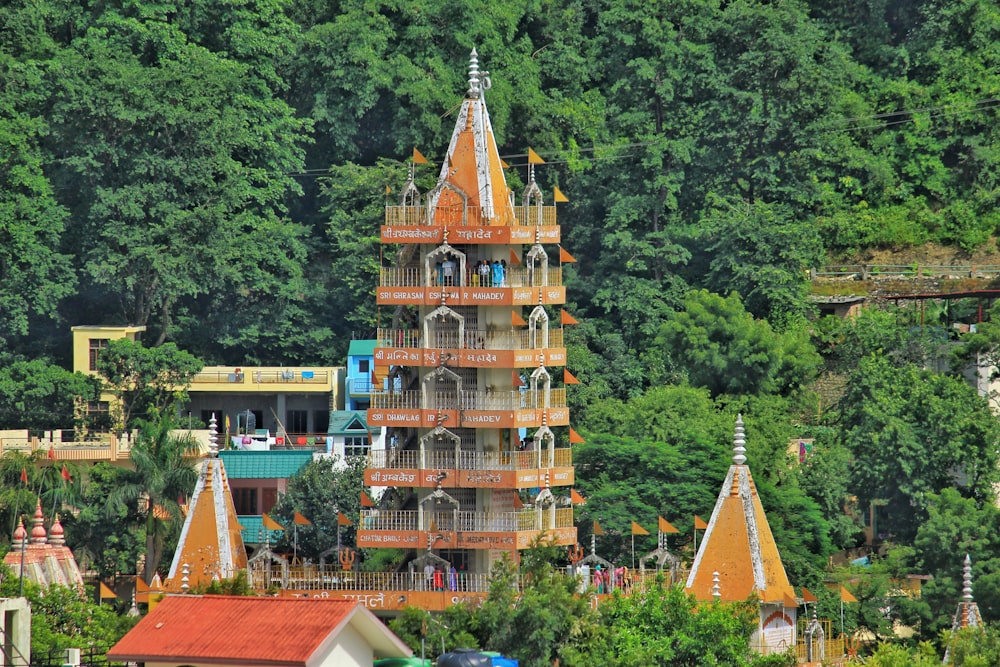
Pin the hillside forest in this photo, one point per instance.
(216, 171)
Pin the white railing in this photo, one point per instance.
(478, 522)
(469, 400)
(474, 339)
(470, 215)
(411, 276)
(469, 460)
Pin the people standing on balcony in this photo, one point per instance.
(439, 273)
(438, 579)
(428, 576)
(503, 273)
(453, 578)
(448, 271)
(484, 273)
(497, 274)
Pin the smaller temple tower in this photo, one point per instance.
(45, 557)
(967, 614)
(739, 558)
(211, 544)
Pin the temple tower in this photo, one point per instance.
(739, 558)
(967, 614)
(465, 359)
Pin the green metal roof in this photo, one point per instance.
(253, 526)
(277, 464)
(341, 419)
(361, 348)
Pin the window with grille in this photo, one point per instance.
(96, 345)
(356, 446)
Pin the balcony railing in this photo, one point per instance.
(481, 339)
(447, 459)
(272, 376)
(477, 522)
(472, 215)
(469, 400)
(515, 276)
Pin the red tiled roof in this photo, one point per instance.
(232, 629)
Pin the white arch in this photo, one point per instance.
(540, 372)
(443, 312)
(537, 254)
(538, 314)
(439, 373)
(443, 250)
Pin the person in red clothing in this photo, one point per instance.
(438, 579)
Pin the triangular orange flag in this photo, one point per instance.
(638, 530)
(518, 504)
(301, 520)
(566, 318)
(342, 520)
(366, 501)
(569, 378)
(845, 595)
(107, 593)
(565, 257)
(807, 596)
(558, 196)
(65, 474)
(516, 320)
(597, 528)
(52, 454)
(515, 379)
(418, 157)
(576, 498)
(504, 165)
(24, 475)
(575, 438)
(514, 259)
(270, 523)
(534, 158)
(790, 602)
(699, 524)
(665, 526)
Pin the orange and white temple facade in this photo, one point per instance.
(465, 363)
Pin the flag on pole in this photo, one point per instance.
(107, 593)
(227, 423)
(518, 503)
(52, 453)
(565, 257)
(342, 520)
(270, 523)
(534, 158)
(566, 318)
(665, 526)
(558, 196)
(301, 520)
(575, 438)
(569, 378)
(24, 475)
(503, 164)
(514, 259)
(699, 524)
(807, 596)
(516, 320)
(576, 498)
(516, 380)
(638, 530)
(366, 501)
(597, 528)
(65, 474)
(845, 595)
(418, 157)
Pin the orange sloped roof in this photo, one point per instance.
(257, 630)
(738, 544)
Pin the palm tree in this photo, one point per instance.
(163, 471)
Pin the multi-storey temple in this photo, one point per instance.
(464, 365)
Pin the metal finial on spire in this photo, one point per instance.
(474, 88)
(716, 592)
(739, 451)
(213, 437)
(967, 579)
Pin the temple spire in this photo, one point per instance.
(739, 443)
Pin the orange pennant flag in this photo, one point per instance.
(558, 196)
(65, 474)
(107, 593)
(418, 157)
(807, 596)
(516, 380)
(514, 259)
(52, 454)
(665, 526)
(575, 438)
(569, 378)
(504, 165)
(342, 520)
(24, 475)
(597, 528)
(699, 524)
(534, 158)
(366, 501)
(845, 595)
(576, 498)
(301, 520)
(270, 523)
(518, 504)
(141, 586)
(516, 320)
(638, 530)
(565, 257)
(566, 318)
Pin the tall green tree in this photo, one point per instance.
(39, 395)
(163, 472)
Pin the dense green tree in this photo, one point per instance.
(162, 473)
(912, 433)
(41, 396)
(147, 381)
(320, 490)
(715, 343)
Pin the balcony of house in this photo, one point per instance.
(360, 386)
(470, 469)
(392, 591)
(466, 224)
(469, 409)
(452, 529)
(230, 379)
(474, 348)
(66, 445)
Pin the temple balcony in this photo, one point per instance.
(469, 409)
(515, 276)
(490, 340)
(475, 348)
(468, 216)
(468, 469)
